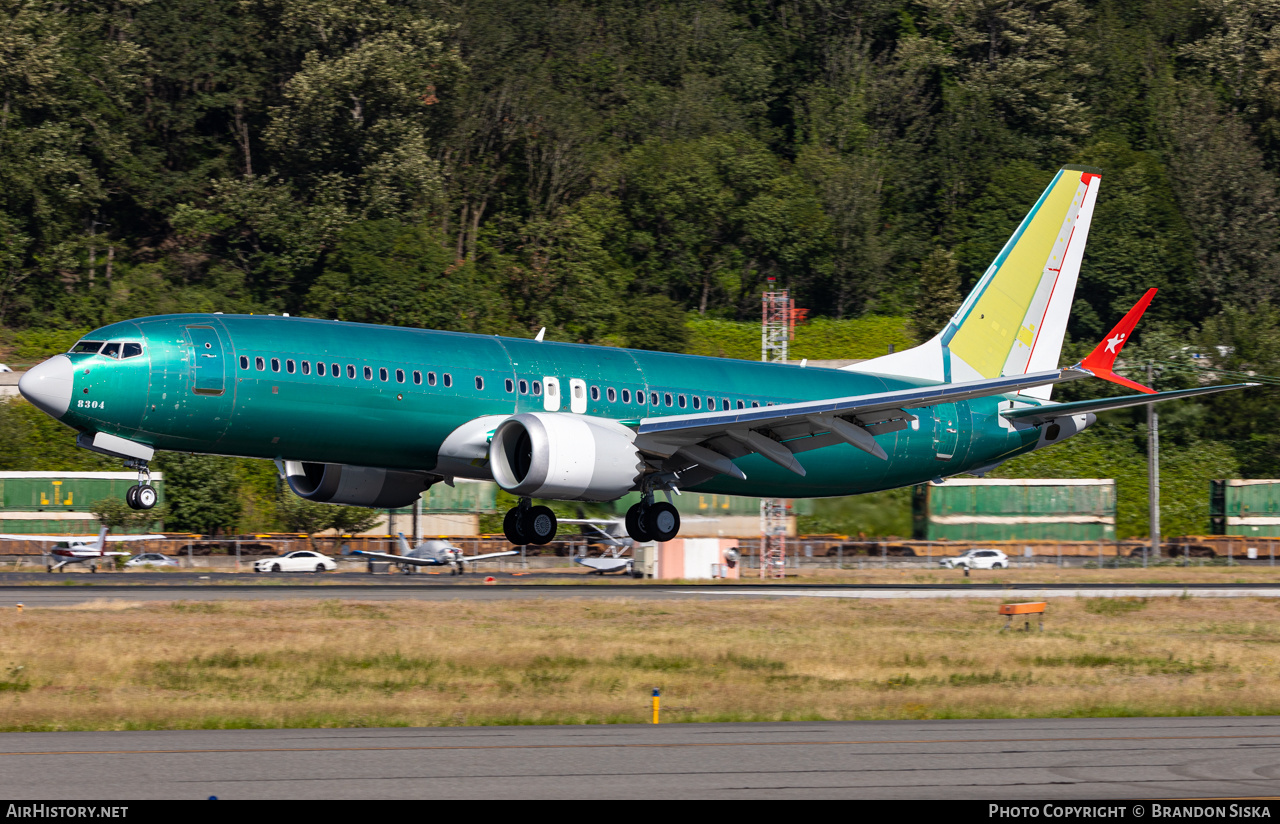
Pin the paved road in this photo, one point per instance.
(84, 592)
(1000, 759)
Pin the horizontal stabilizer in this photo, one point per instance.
(1041, 414)
(1102, 359)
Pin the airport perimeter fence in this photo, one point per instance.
(832, 552)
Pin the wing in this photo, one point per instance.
(713, 439)
(466, 559)
(1044, 414)
(397, 559)
(136, 538)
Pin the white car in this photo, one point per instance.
(304, 560)
(977, 559)
(154, 559)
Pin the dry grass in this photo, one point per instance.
(342, 663)
(1042, 574)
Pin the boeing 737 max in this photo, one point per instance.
(374, 415)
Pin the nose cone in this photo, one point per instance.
(48, 385)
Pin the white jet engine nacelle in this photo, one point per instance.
(565, 457)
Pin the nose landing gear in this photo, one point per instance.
(528, 524)
(142, 495)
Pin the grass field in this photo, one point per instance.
(336, 663)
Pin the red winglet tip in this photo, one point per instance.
(1104, 354)
(1108, 375)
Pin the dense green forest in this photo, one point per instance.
(632, 173)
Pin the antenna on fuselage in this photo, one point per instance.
(541, 332)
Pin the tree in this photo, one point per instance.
(202, 492)
(300, 515)
(939, 295)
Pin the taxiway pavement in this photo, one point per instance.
(1048, 759)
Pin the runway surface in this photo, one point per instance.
(80, 591)
(999, 759)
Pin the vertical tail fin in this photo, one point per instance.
(404, 545)
(1014, 320)
(102, 539)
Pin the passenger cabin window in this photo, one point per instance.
(448, 380)
(320, 368)
(260, 364)
(86, 347)
(612, 395)
(431, 379)
(111, 350)
(417, 378)
(537, 387)
(711, 404)
(351, 371)
(290, 366)
(577, 391)
(275, 364)
(479, 383)
(244, 361)
(306, 367)
(681, 401)
(725, 405)
(626, 396)
(509, 385)
(399, 376)
(653, 399)
(666, 396)
(595, 393)
(696, 402)
(383, 374)
(368, 373)
(131, 350)
(741, 405)
(524, 387)
(755, 404)
(335, 370)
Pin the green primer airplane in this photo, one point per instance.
(372, 415)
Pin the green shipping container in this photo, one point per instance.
(696, 503)
(60, 503)
(1245, 507)
(463, 497)
(1016, 509)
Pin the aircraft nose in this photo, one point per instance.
(48, 385)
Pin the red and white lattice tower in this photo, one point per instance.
(776, 332)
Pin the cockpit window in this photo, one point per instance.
(111, 350)
(86, 347)
(131, 350)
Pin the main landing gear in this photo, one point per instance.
(647, 521)
(142, 495)
(528, 524)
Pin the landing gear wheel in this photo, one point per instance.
(513, 527)
(662, 521)
(131, 497)
(539, 524)
(145, 497)
(634, 526)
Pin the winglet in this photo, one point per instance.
(1103, 357)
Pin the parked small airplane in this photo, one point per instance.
(609, 533)
(78, 550)
(428, 553)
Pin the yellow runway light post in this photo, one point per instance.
(656, 698)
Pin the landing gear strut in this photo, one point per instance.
(649, 521)
(143, 495)
(528, 524)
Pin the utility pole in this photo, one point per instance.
(1153, 468)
